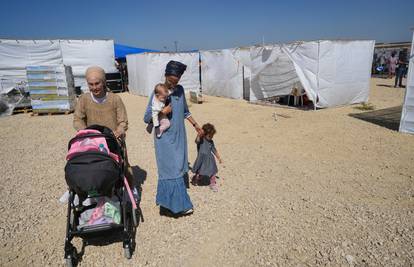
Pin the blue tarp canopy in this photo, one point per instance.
(122, 50)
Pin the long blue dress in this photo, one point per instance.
(172, 156)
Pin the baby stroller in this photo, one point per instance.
(101, 207)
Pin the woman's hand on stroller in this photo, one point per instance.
(118, 134)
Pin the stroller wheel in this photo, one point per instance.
(71, 260)
(127, 252)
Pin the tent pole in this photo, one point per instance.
(244, 90)
(199, 72)
(317, 77)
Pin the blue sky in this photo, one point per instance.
(208, 24)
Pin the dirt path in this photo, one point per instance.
(306, 188)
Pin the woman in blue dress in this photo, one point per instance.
(171, 148)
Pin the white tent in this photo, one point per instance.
(15, 55)
(332, 73)
(407, 115)
(147, 69)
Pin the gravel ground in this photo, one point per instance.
(296, 188)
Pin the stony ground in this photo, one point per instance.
(296, 188)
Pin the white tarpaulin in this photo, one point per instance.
(147, 69)
(273, 73)
(15, 55)
(222, 74)
(81, 54)
(242, 54)
(333, 73)
(407, 115)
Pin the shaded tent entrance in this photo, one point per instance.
(274, 79)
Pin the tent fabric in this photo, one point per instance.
(332, 73)
(222, 74)
(273, 73)
(121, 51)
(15, 55)
(344, 72)
(81, 54)
(305, 60)
(407, 114)
(242, 55)
(147, 69)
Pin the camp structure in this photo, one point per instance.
(16, 55)
(329, 73)
(407, 114)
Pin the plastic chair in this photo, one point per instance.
(297, 95)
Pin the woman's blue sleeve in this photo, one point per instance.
(148, 113)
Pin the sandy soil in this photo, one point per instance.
(296, 188)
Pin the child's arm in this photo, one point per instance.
(198, 139)
(217, 155)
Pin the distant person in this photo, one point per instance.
(392, 65)
(160, 121)
(205, 164)
(401, 68)
(171, 148)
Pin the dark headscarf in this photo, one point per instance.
(175, 68)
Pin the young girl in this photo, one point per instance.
(205, 164)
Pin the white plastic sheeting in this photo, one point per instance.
(333, 73)
(147, 69)
(81, 54)
(273, 73)
(407, 115)
(242, 55)
(15, 55)
(222, 73)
